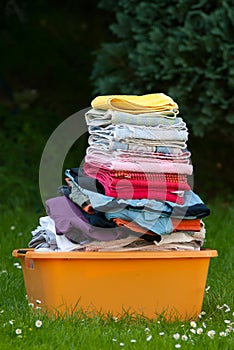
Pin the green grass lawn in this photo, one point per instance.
(24, 328)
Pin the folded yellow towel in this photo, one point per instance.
(135, 104)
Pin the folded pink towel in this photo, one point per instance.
(143, 167)
(126, 185)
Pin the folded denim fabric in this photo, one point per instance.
(160, 225)
(192, 208)
(149, 221)
(157, 102)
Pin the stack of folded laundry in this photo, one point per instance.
(132, 192)
(145, 153)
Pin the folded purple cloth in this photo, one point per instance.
(70, 221)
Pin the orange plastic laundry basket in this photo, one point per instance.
(147, 283)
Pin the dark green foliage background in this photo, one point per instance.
(184, 48)
(45, 63)
(56, 56)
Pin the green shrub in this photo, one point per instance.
(183, 48)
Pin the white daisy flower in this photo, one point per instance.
(184, 337)
(192, 330)
(38, 323)
(18, 331)
(199, 330)
(227, 321)
(176, 336)
(193, 324)
(223, 334)
(211, 334)
(149, 337)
